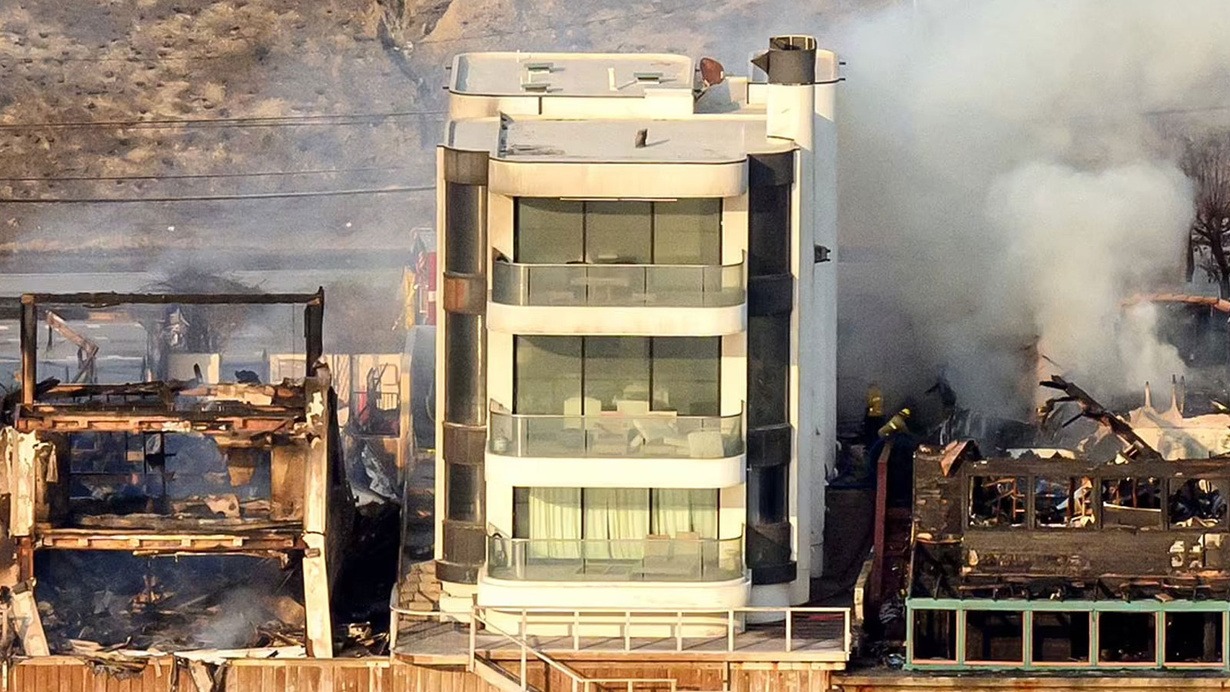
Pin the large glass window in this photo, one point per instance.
(550, 231)
(688, 231)
(554, 231)
(616, 373)
(619, 232)
(615, 514)
(566, 375)
(547, 373)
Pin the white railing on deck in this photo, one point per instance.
(678, 620)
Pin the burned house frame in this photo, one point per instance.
(289, 428)
(1039, 563)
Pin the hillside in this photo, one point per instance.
(90, 86)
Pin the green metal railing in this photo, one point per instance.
(1094, 610)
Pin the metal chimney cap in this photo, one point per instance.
(790, 60)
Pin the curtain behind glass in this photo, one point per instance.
(555, 522)
(618, 521)
(683, 510)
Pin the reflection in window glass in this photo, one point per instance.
(1061, 503)
(688, 231)
(685, 231)
(1134, 502)
(616, 370)
(618, 233)
(685, 375)
(550, 231)
(1197, 502)
(997, 501)
(547, 375)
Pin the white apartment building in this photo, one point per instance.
(636, 372)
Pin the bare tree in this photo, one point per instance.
(1207, 162)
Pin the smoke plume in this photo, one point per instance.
(1007, 178)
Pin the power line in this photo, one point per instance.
(322, 119)
(197, 176)
(217, 198)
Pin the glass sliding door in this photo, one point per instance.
(547, 375)
(681, 232)
(688, 231)
(615, 534)
(550, 231)
(686, 373)
(616, 372)
(618, 233)
(616, 523)
(555, 520)
(570, 375)
(684, 512)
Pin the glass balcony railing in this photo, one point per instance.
(618, 285)
(654, 435)
(653, 558)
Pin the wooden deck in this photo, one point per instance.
(445, 643)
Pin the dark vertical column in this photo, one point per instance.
(464, 362)
(770, 300)
(313, 330)
(29, 348)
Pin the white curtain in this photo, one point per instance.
(617, 519)
(555, 522)
(680, 510)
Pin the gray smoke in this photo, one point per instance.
(1007, 178)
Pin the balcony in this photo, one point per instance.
(654, 435)
(638, 299)
(675, 451)
(684, 558)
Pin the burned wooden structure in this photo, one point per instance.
(86, 466)
(1048, 560)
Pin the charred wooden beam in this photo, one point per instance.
(1091, 408)
(111, 299)
(29, 349)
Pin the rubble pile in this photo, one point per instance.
(91, 602)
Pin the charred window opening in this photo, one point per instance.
(1194, 637)
(994, 636)
(1061, 637)
(175, 476)
(997, 501)
(1061, 503)
(1126, 638)
(1132, 502)
(935, 635)
(1197, 503)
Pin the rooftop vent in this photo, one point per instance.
(648, 77)
(535, 77)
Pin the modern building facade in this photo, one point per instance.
(636, 386)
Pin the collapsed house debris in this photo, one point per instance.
(175, 474)
(1110, 552)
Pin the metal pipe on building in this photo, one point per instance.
(462, 348)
